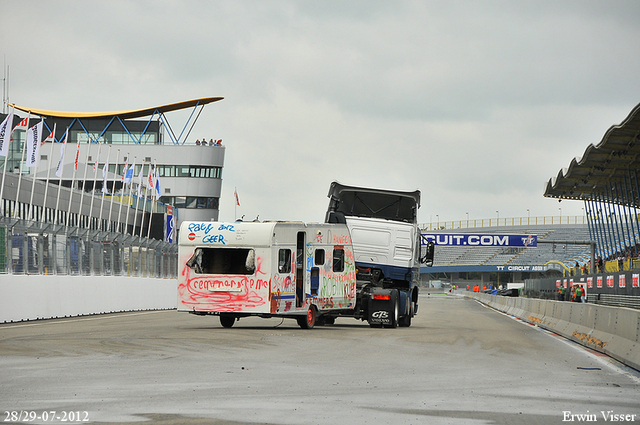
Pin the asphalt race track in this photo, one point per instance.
(459, 363)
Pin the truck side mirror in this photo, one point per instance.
(426, 253)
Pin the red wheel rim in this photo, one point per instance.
(310, 316)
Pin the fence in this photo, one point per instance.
(619, 288)
(507, 221)
(37, 248)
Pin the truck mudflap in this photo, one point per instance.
(383, 309)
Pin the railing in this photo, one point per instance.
(37, 248)
(507, 221)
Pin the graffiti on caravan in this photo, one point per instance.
(477, 239)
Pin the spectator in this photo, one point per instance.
(572, 295)
(198, 142)
(578, 294)
(620, 263)
(561, 291)
(599, 265)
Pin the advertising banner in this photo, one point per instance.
(477, 239)
(170, 229)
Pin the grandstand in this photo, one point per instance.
(499, 265)
(61, 215)
(606, 180)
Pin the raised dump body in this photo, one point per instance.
(268, 269)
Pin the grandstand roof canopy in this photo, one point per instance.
(614, 159)
(133, 113)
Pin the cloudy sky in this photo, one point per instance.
(476, 103)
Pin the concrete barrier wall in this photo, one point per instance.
(24, 297)
(614, 331)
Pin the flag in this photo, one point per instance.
(22, 125)
(5, 134)
(157, 188)
(33, 144)
(140, 182)
(51, 137)
(235, 193)
(60, 165)
(128, 173)
(75, 162)
(95, 164)
(126, 168)
(105, 169)
(150, 184)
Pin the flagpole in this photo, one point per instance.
(24, 145)
(61, 167)
(84, 182)
(113, 189)
(105, 171)
(144, 207)
(46, 187)
(36, 148)
(153, 189)
(9, 126)
(73, 180)
(95, 179)
(138, 196)
(133, 170)
(124, 186)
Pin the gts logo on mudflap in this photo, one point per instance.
(381, 316)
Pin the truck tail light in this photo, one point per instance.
(385, 297)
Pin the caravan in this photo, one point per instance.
(266, 269)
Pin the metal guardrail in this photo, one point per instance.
(507, 221)
(38, 248)
(629, 301)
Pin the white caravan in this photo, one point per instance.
(266, 269)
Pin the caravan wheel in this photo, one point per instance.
(227, 321)
(309, 320)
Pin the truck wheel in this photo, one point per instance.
(309, 319)
(405, 321)
(227, 321)
(395, 313)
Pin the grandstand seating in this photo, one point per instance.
(568, 254)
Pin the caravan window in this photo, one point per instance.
(338, 260)
(319, 258)
(284, 261)
(223, 261)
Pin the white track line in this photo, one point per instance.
(78, 319)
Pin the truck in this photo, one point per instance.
(388, 251)
(266, 269)
(362, 262)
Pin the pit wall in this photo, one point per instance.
(24, 297)
(614, 331)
